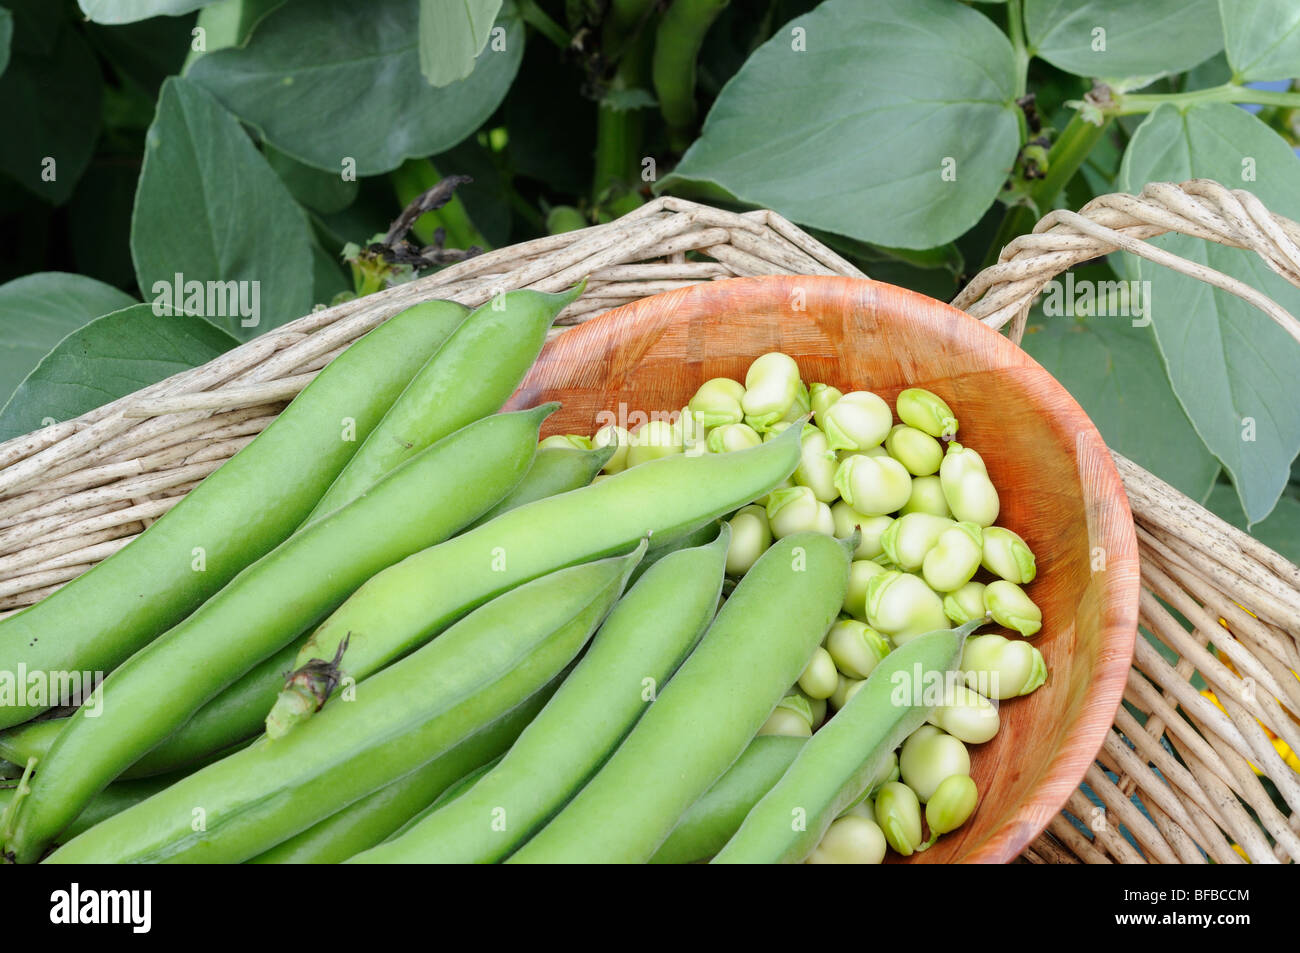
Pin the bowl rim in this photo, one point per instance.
(1118, 627)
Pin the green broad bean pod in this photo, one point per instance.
(369, 821)
(711, 821)
(839, 763)
(233, 716)
(627, 810)
(419, 596)
(477, 368)
(161, 687)
(635, 653)
(552, 472)
(230, 520)
(478, 671)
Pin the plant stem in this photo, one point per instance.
(540, 21)
(1131, 104)
(1068, 153)
(1016, 29)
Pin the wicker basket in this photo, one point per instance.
(1178, 785)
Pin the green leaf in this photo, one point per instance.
(452, 33)
(49, 111)
(1280, 532)
(129, 11)
(1113, 370)
(327, 274)
(1236, 373)
(1262, 38)
(896, 125)
(1114, 39)
(336, 80)
(38, 311)
(321, 191)
(109, 358)
(229, 23)
(210, 209)
(6, 35)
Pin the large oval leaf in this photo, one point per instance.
(896, 125)
(109, 358)
(336, 79)
(1113, 370)
(452, 34)
(49, 108)
(38, 311)
(1236, 373)
(1262, 38)
(129, 11)
(1114, 39)
(210, 210)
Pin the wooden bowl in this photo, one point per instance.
(1058, 486)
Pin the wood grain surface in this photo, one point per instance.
(1058, 486)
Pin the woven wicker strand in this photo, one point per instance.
(1241, 597)
(1175, 785)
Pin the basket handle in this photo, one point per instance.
(1005, 292)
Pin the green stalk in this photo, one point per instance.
(538, 19)
(1134, 103)
(677, 46)
(619, 133)
(1016, 30)
(1067, 155)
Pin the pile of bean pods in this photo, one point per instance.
(397, 628)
